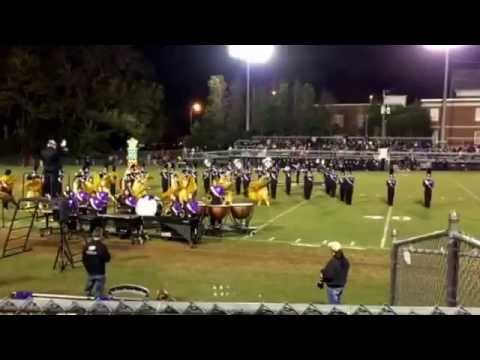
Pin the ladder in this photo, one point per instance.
(17, 240)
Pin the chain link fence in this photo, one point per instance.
(440, 268)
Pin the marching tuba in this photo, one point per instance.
(258, 191)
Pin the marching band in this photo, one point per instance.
(178, 196)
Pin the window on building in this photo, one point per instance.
(476, 137)
(338, 120)
(360, 120)
(477, 114)
(434, 114)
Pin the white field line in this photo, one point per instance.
(282, 214)
(385, 228)
(468, 191)
(298, 240)
(294, 244)
(271, 239)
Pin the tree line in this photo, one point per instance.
(98, 96)
(290, 110)
(95, 96)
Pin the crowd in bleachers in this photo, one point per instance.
(350, 143)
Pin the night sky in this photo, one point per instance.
(351, 73)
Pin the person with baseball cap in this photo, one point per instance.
(94, 257)
(335, 274)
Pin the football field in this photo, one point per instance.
(282, 260)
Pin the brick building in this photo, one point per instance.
(349, 118)
(462, 117)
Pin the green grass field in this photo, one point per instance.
(282, 260)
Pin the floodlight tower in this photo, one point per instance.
(446, 49)
(251, 54)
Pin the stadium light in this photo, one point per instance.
(446, 49)
(195, 108)
(251, 54)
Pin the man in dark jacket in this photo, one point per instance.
(335, 274)
(52, 165)
(94, 257)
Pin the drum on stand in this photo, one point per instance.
(218, 212)
(241, 214)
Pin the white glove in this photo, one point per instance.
(63, 143)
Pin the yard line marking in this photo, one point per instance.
(307, 245)
(374, 217)
(298, 240)
(300, 244)
(282, 214)
(468, 191)
(385, 228)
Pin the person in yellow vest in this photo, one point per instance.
(33, 185)
(7, 183)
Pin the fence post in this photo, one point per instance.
(393, 268)
(452, 260)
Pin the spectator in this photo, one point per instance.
(94, 257)
(335, 274)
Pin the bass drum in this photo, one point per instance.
(147, 206)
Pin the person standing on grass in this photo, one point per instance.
(349, 187)
(94, 257)
(391, 184)
(428, 185)
(334, 275)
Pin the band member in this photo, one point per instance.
(326, 180)
(298, 168)
(214, 174)
(238, 182)
(273, 182)
(247, 177)
(391, 183)
(308, 185)
(164, 175)
(113, 176)
(206, 180)
(349, 188)
(288, 179)
(51, 159)
(342, 182)
(6, 186)
(333, 183)
(218, 195)
(428, 185)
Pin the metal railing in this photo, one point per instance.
(91, 307)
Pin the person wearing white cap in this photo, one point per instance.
(334, 275)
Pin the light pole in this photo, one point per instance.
(370, 98)
(250, 54)
(385, 110)
(446, 49)
(195, 108)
